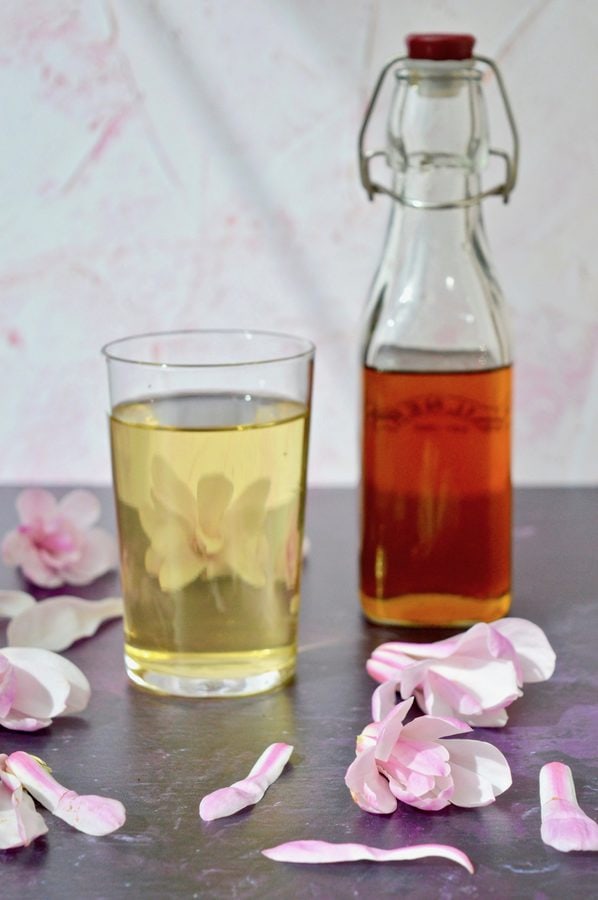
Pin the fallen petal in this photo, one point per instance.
(565, 826)
(383, 700)
(20, 823)
(536, 657)
(81, 507)
(324, 852)
(98, 555)
(49, 670)
(229, 800)
(14, 602)
(88, 813)
(58, 622)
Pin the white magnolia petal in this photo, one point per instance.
(479, 771)
(171, 491)
(536, 656)
(324, 852)
(81, 507)
(384, 699)
(58, 622)
(390, 729)
(213, 495)
(45, 664)
(98, 555)
(14, 602)
(20, 823)
(250, 790)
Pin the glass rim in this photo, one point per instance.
(307, 348)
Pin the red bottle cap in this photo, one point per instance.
(440, 46)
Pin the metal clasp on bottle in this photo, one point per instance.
(511, 161)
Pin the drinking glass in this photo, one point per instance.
(209, 435)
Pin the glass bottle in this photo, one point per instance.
(436, 484)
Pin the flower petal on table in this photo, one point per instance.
(384, 699)
(98, 555)
(479, 770)
(58, 622)
(35, 503)
(14, 602)
(565, 826)
(88, 813)
(369, 789)
(44, 666)
(20, 823)
(82, 507)
(324, 852)
(390, 729)
(229, 800)
(536, 656)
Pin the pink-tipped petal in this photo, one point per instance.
(565, 826)
(536, 656)
(14, 602)
(58, 622)
(384, 699)
(35, 504)
(390, 728)
(81, 507)
(324, 852)
(88, 813)
(229, 800)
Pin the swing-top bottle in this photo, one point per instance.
(436, 482)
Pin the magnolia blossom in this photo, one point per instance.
(207, 534)
(58, 622)
(324, 852)
(415, 764)
(565, 826)
(38, 685)
(229, 800)
(474, 675)
(56, 542)
(22, 775)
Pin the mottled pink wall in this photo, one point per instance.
(185, 164)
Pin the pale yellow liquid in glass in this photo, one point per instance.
(210, 497)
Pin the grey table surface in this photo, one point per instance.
(160, 756)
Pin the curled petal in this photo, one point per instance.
(479, 771)
(383, 700)
(324, 852)
(391, 727)
(88, 813)
(14, 602)
(367, 786)
(565, 826)
(536, 656)
(229, 800)
(58, 622)
(47, 684)
(20, 823)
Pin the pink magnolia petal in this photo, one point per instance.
(384, 699)
(536, 656)
(437, 797)
(381, 671)
(8, 686)
(35, 503)
(369, 789)
(390, 729)
(98, 555)
(20, 823)
(18, 721)
(422, 757)
(324, 852)
(58, 622)
(479, 771)
(430, 728)
(565, 826)
(81, 507)
(229, 800)
(474, 641)
(48, 668)
(88, 813)
(14, 602)
(18, 550)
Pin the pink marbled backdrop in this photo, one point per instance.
(187, 163)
